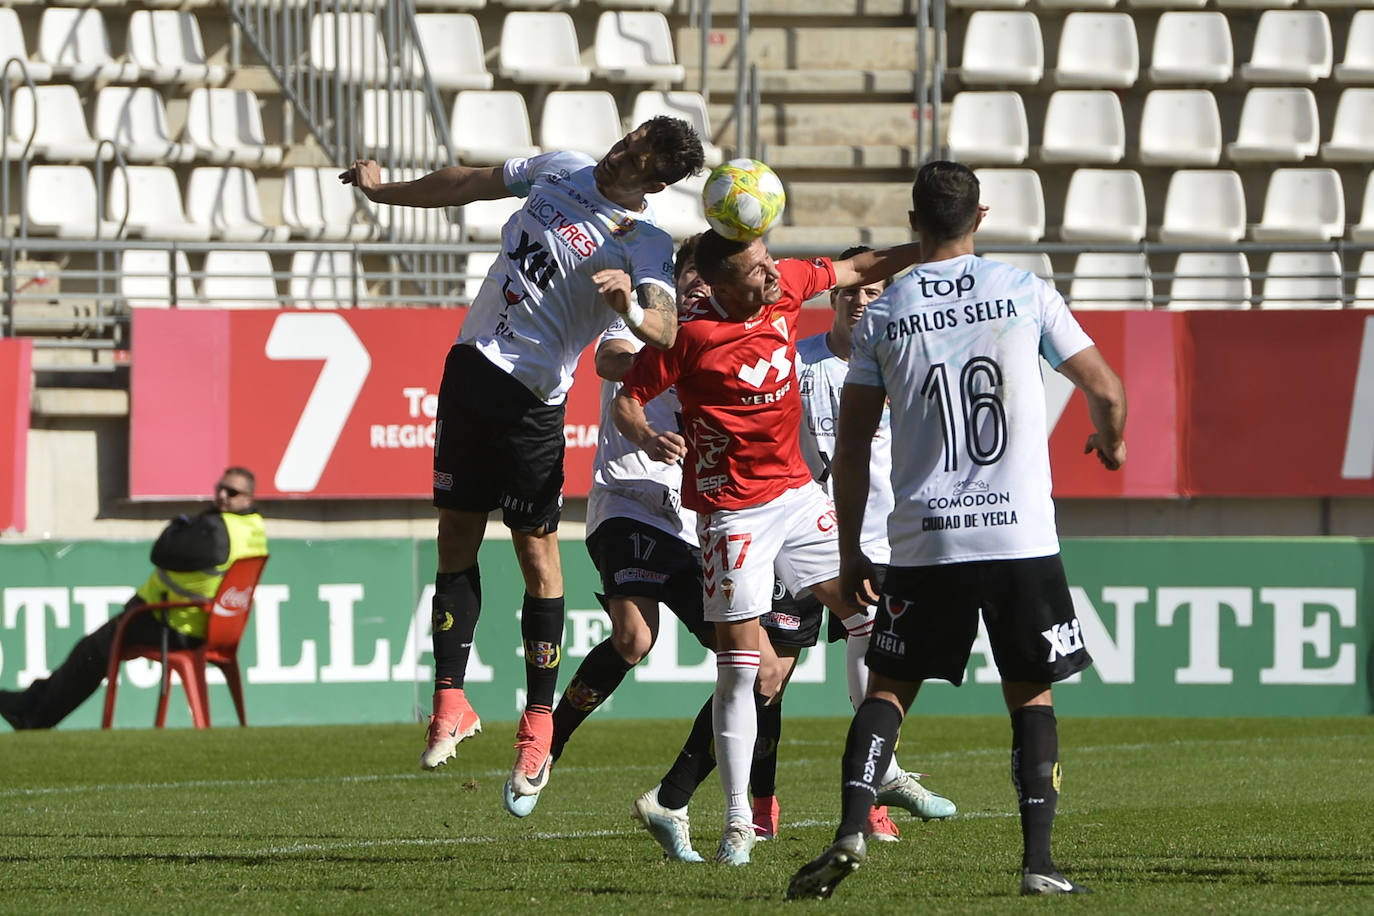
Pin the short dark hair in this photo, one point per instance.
(677, 148)
(242, 472)
(945, 199)
(860, 249)
(713, 252)
(686, 254)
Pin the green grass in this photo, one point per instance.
(1157, 815)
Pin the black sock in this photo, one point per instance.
(694, 763)
(596, 679)
(867, 752)
(456, 606)
(763, 775)
(1035, 774)
(541, 627)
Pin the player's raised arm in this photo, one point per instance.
(613, 359)
(876, 266)
(651, 314)
(1089, 371)
(634, 425)
(861, 410)
(454, 186)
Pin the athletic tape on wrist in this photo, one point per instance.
(634, 315)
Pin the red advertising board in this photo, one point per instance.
(16, 389)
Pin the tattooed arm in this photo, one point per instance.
(653, 319)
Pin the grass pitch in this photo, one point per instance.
(1157, 815)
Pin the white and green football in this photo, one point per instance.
(743, 199)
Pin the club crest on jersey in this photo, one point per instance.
(621, 227)
(708, 442)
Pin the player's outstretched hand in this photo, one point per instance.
(365, 173)
(1111, 457)
(859, 579)
(667, 447)
(614, 286)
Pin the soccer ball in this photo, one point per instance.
(743, 199)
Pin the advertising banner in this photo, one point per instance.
(16, 388)
(340, 634)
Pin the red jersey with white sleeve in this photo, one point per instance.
(737, 384)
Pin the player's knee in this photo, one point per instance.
(633, 642)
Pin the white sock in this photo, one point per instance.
(892, 772)
(737, 727)
(860, 629)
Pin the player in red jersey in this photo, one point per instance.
(760, 512)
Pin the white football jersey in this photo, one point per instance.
(956, 344)
(820, 377)
(626, 483)
(538, 308)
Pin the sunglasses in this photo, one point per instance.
(224, 488)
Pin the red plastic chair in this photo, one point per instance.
(228, 617)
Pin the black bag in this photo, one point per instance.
(191, 543)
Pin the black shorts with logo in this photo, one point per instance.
(496, 445)
(637, 560)
(928, 619)
(795, 623)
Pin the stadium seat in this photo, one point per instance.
(580, 120)
(1364, 282)
(489, 127)
(1363, 231)
(1192, 47)
(635, 47)
(1203, 205)
(663, 6)
(148, 277)
(1084, 126)
(12, 48)
(1276, 125)
(1104, 205)
(325, 280)
(239, 280)
(452, 44)
(1180, 127)
(1302, 205)
(988, 128)
(227, 200)
(364, 54)
(1106, 280)
(76, 45)
(61, 200)
(167, 46)
(1097, 49)
(54, 116)
(1302, 280)
(1037, 262)
(429, 224)
(1076, 4)
(225, 126)
(479, 262)
(1357, 66)
(1002, 47)
(1210, 280)
(1252, 4)
(316, 205)
(1291, 46)
(153, 200)
(678, 209)
(1352, 129)
(398, 123)
(689, 106)
(987, 4)
(539, 4)
(227, 615)
(483, 220)
(1016, 205)
(1167, 4)
(541, 47)
(135, 118)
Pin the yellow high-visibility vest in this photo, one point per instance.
(247, 538)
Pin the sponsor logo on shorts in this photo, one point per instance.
(443, 481)
(888, 641)
(638, 574)
(727, 588)
(779, 590)
(542, 654)
(1064, 638)
(780, 621)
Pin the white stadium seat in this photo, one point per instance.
(1104, 205)
(348, 46)
(148, 277)
(1097, 49)
(1357, 66)
(1084, 126)
(1302, 205)
(1016, 205)
(1180, 127)
(988, 128)
(1037, 262)
(1352, 129)
(1002, 47)
(491, 126)
(1203, 205)
(687, 105)
(484, 219)
(541, 47)
(76, 44)
(12, 47)
(678, 208)
(239, 280)
(1276, 125)
(1210, 280)
(1302, 280)
(61, 200)
(167, 46)
(398, 123)
(452, 44)
(135, 119)
(325, 280)
(585, 120)
(154, 204)
(1364, 282)
(1291, 46)
(635, 47)
(225, 126)
(54, 116)
(1363, 231)
(227, 200)
(1192, 47)
(1106, 280)
(316, 205)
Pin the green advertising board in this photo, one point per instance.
(340, 633)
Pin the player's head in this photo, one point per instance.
(742, 275)
(234, 492)
(686, 277)
(655, 154)
(849, 303)
(944, 202)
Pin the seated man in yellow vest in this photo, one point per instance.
(191, 555)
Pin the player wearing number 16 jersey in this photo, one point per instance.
(956, 345)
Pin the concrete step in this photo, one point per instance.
(820, 123)
(845, 8)
(809, 241)
(875, 205)
(793, 47)
(867, 83)
(840, 157)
